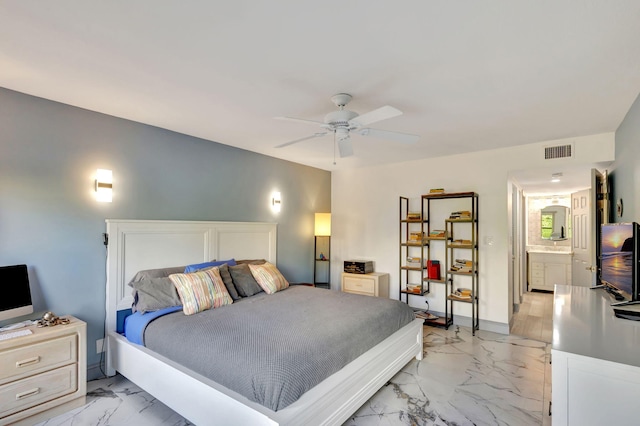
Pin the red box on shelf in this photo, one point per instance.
(433, 269)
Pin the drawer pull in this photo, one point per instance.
(28, 361)
(28, 393)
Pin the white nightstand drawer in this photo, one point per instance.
(359, 285)
(25, 393)
(31, 359)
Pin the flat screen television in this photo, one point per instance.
(16, 294)
(619, 259)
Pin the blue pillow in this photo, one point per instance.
(197, 266)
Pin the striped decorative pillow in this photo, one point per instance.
(200, 291)
(268, 277)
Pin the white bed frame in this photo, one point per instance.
(136, 245)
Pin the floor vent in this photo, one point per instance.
(560, 151)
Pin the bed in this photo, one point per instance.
(140, 245)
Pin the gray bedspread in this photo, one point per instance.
(273, 348)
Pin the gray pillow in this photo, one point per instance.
(153, 294)
(156, 273)
(243, 280)
(226, 278)
(228, 281)
(251, 261)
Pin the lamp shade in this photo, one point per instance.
(323, 225)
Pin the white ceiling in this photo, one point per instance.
(469, 75)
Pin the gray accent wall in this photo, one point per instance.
(49, 219)
(625, 175)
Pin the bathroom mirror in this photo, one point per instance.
(554, 223)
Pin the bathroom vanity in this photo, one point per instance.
(548, 268)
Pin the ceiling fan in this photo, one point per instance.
(342, 123)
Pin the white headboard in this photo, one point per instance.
(136, 245)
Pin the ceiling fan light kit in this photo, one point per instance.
(343, 121)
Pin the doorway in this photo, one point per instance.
(531, 311)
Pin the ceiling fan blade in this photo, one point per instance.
(299, 120)
(376, 115)
(389, 135)
(315, 135)
(345, 147)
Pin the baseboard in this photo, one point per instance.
(94, 372)
(486, 325)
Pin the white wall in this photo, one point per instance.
(365, 211)
(625, 174)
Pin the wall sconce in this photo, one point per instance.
(555, 178)
(276, 201)
(104, 185)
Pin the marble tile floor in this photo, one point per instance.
(489, 379)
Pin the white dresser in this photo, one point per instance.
(373, 284)
(595, 361)
(43, 374)
(547, 269)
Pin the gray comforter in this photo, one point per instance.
(273, 348)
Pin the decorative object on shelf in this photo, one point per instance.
(433, 269)
(322, 245)
(414, 216)
(436, 191)
(49, 319)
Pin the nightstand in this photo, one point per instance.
(373, 284)
(43, 374)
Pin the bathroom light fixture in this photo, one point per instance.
(104, 185)
(555, 178)
(276, 201)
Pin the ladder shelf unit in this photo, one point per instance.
(429, 255)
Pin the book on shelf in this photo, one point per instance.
(462, 214)
(414, 288)
(436, 191)
(422, 314)
(456, 295)
(464, 292)
(414, 216)
(414, 261)
(462, 265)
(416, 237)
(438, 233)
(460, 242)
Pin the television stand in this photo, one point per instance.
(596, 361)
